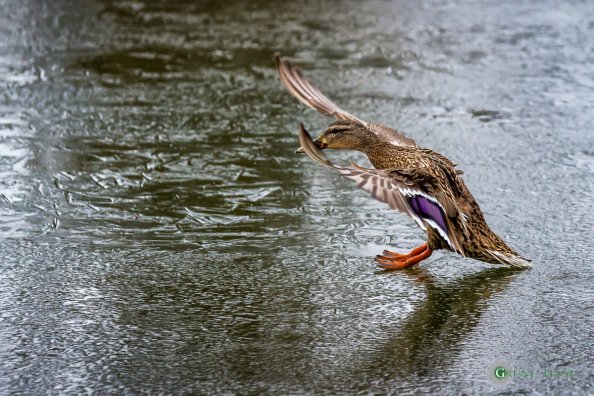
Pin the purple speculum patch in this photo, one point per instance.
(427, 209)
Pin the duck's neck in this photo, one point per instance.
(379, 153)
(367, 143)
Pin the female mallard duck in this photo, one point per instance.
(416, 181)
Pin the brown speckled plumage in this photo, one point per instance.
(416, 181)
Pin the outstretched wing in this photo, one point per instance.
(293, 80)
(306, 93)
(399, 191)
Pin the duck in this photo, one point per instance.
(418, 182)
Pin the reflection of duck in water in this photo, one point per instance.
(431, 338)
(418, 182)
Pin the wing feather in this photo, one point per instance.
(306, 93)
(302, 89)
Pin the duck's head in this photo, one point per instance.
(344, 135)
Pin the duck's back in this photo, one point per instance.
(435, 172)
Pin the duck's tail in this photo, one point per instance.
(511, 259)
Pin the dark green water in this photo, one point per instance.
(159, 235)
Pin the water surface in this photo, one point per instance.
(160, 235)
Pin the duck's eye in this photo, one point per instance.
(335, 131)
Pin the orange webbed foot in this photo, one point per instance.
(390, 254)
(391, 260)
(414, 252)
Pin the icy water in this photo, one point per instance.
(158, 234)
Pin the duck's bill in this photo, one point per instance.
(317, 143)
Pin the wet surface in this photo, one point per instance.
(159, 235)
